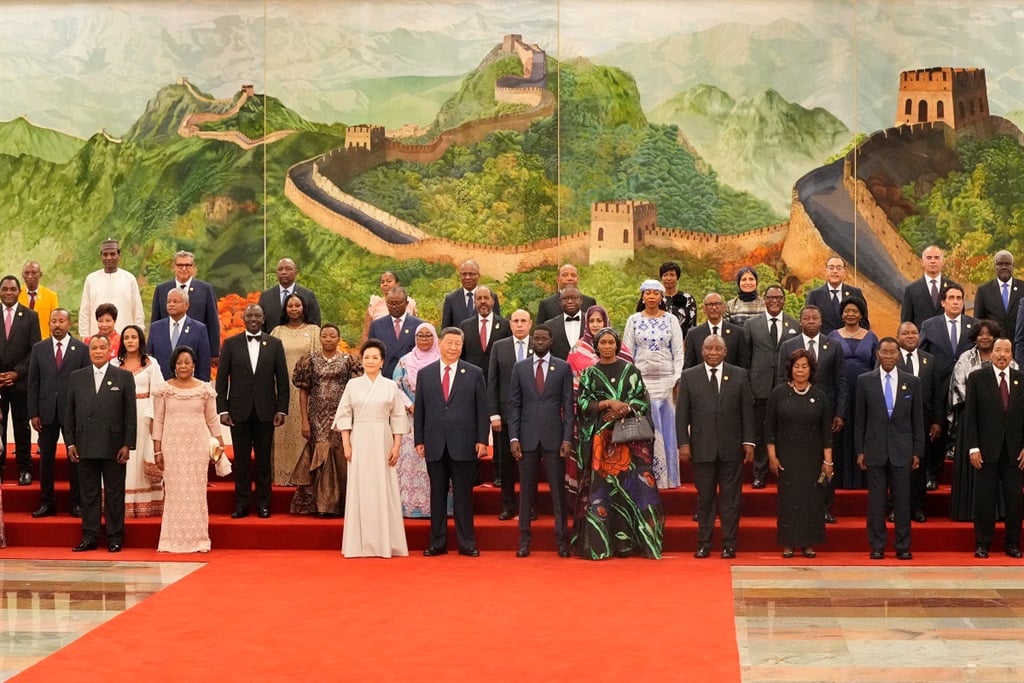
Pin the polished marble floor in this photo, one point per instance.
(869, 624)
(44, 604)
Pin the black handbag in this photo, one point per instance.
(633, 428)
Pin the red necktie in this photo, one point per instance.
(1004, 391)
(398, 327)
(59, 357)
(32, 300)
(540, 376)
(446, 382)
(483, 333)
(8, 313)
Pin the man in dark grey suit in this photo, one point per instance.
(202, 301)
(252, 399)
(540, 407)
(714, 311)
(101, 421)
(888, 437)
(272, 300)
(475, 349)
(999, 298)
(715, 428)
(451, 397)
(397, 329)
(829, 297)
(922, 298)
(921, 364)
(19, 332)
(550, 307)
(461, 303)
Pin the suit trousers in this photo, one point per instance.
(505, 468)
(718, 482)
(935, 452)
(102, 478)
(554, 469)
(256, 437)
(48, 436)
(760, 447)
(1004, 475)
(14, 406)
(460, 474)
(883, 479)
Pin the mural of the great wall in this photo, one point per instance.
(415, 141)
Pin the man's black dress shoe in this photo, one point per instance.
(759, 483)
(931, 484)
(84, 545)
(981, 552)
(919, 517)
(524, 551)
(877, 554)
(904, 555)
(238, 514)
(76, 511)
(506, 515)
(44, 512)
(1013, 551)
(497, 482)
(563, 551)
(533, 515)
(728, 553)
(24, 479)
(829, 518)
(434, 552)
(891, 517)
(263, 513)
(470, 552)
(695, 518)
(114, 547)
(702, 552)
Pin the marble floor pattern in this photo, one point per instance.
(45, 604)
(870, 624)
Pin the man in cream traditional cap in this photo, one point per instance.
(111, 285)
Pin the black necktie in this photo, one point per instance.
(714, 329)
(910, 362)
(774, 331)
(714, 381)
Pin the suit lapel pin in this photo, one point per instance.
(903, 387)
(551, 368)
(462, 370)
(109, 382)
(824, 346)
(264, 343)
(728, 331)
(968, 326)
(71, 348)
(186, 330)
(497, 324)
(1016, 382)
(407, 331)
(812, 399)
(725, 378)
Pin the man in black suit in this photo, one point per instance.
(397, 329)
(550, 307)
(505, 353)
(994, 424)
(540, 406)
(100, 422)
(19, 333)
(202, 302)
(272, 300)
(482, 330)
(922, 298)
(759, 354)
(830, 295)
(714, 311)
(888, 437)
(921, 364)
(945, 336)
(180, 329)
(451, 397)
(461, 303)
(49, 370)
(252, 399)
(715, 428)
(999, 298)
(566, 326)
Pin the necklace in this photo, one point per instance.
(800, 391)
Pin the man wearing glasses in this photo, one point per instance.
(202, 300)
(829, 297)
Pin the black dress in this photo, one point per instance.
(800, 426)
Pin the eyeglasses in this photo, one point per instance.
(709, 304)
(184, 265)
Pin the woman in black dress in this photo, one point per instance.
(798, 432)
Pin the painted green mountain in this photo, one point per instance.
(761, 144)
(263, 114)
(20, 136)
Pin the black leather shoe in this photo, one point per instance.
(759, 483)
(114, 547)
(263, 513)
(84, 545)
(44, 512)
(497, 482)
(981, 552)
(24, 479)
(524, 551)
(877, 554)
(1013, 551)
(702, 552)
(904, 555)
(506, 515)
(695, 518)
(728, 553)
(76, 511)
(809, 553)
(891, 517)
(470, 552)
(830, 518)
(533, 515)
(238, 514)
(931, 485)
(434, 552)
(919, 517)
(563, 551)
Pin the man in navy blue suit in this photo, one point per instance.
(451, 397)
(179, 329)
(397, 329)
(540, 412)
(201, 297)
(461, 303)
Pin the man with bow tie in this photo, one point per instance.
(567, 326)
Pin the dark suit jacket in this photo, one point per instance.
(935, 340)
(933, 399)
(202, 306)
(987, 426)
(240, 390)
(499, 374)
(383, 328)
(759, 355)
(831, 374)
(917, 301)
(541, 421)
(694, 342)
(15, 351)
(830, 319)
(459, 423)
(48, 386)
(880, 438)
(560, 346)
(100, 424)
(454, 309)
(270, 301)
(988, 304)
(715, 428)
(193, 333)
(552, 306)
(472, 352)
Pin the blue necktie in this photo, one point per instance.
(888, 394)
(1006, 297)
(952, 335)
(520, 352)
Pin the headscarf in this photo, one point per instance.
(746, 296)
(417, 359)
(652, 286)
(588, 339)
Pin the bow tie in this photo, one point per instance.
(252, 337)
(574, 318)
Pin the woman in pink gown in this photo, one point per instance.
(184, 419)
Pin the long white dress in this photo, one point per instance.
(375, 412)
(143, 498)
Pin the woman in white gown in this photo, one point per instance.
(371, 418)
